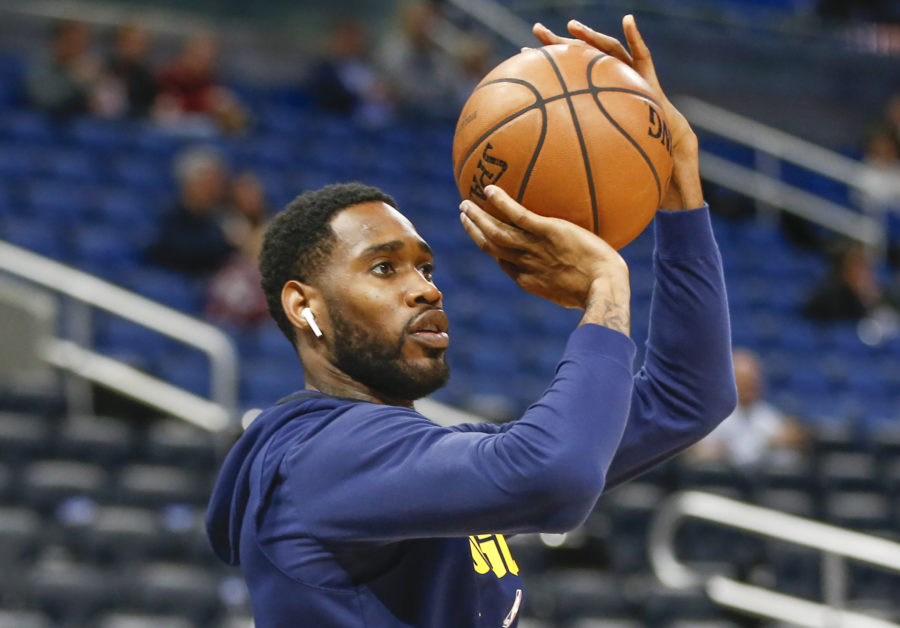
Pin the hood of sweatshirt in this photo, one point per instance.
(231, 494)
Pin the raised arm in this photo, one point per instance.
(544, 471)
(686, 386)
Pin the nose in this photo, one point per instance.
(423, 292)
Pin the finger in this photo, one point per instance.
(511, 212)
(498, 232)
(484, 243)
(548, 37)
(603, 43)
(643, 62)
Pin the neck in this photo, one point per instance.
(322, 376)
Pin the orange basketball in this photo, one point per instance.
(569, 132)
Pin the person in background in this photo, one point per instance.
(62, 82)
(849, 292)
(191, 238)
(128, 69)
(345, 80)
(191, 92)
(235, 295)
(248, 208)
(756, 432)
(424, 79)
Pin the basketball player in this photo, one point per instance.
(346, 508)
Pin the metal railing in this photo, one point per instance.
(74, 355)
(763, 183)
(836, 544)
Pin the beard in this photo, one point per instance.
(379, 364)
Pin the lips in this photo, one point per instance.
(430, 328)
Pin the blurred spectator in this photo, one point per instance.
(756, 432)
(63, 81)
(858, 10)
(191, 238)
(249, 209)
(191, 92)
(424, 79)
(345, 81)
(235, 292)
(849, 292)
(475, 58)
(129, 71)
(892, 120)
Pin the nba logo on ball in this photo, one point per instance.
(569, 132)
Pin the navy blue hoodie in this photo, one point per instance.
(344, 513)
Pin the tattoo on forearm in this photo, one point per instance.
(616, 316)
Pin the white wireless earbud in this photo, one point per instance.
(307, 314)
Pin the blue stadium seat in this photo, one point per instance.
(115, 335)
(140, 173)
(17, 163)
(66, 165)
(97, 134)
(59, 201)
(28, 127)
(169, 288)
(265, 381)
(103, 249)
(35, 236)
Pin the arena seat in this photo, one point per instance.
(843, 470)
(105, 440)
(24, 619)
(662, 605)
(174, 588)
(36, 237)
(792, 501)
(20, 533)
(858, 510)
(170, 441)
(157, 485)
(580, 592)
(22, 436)
(604, 622)
(47, 483)
(28, 127)
(129, 620)
(70, 590)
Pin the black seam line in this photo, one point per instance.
(539, 102)
(627, 136)
(534, 155)
(584, 153)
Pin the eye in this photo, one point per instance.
(427, 271)
(383, 268)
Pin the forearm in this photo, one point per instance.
(609, 304)
(407, 478)
(686, 386)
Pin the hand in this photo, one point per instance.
(552, 258)
(684, 190)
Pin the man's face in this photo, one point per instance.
(388, 330)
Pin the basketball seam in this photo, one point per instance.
(539, 103)
(577, 126)
(625, 134)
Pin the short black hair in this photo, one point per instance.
(299, 239)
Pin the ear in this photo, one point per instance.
(295, 297)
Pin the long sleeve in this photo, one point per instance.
(686, 385)
(382, 473)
